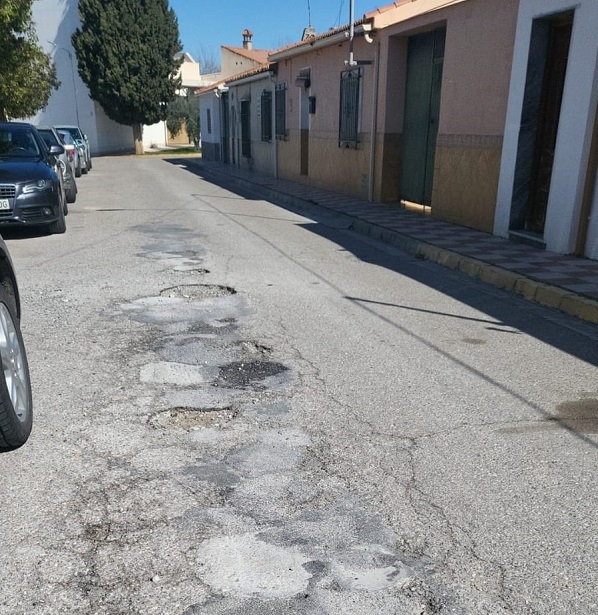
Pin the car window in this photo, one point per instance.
(66, 137)
(49, 137)
(73, 131)
(18, 142)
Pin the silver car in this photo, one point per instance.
(82, 141)
(51, 137)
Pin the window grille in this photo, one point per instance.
(280, 104)
(348, 135)
(266, 111)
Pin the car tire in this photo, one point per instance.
(84, 170)
(71, 195)
(16, 406)
(59, 227)
(89, 164)
(78, 170)
(65, 208)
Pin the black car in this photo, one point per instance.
(31, 183)
(16, 408)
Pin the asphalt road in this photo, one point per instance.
(240, 409)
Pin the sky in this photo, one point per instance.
(205, 25)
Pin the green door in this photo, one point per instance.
(422, 110)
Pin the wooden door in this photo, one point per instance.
(422, 110)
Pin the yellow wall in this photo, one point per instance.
(466, 171)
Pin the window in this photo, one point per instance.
(245, 129)
(266, 111)
(349, 108)
(280, 103)
(209, 121)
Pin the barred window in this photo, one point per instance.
(209, 121)
(266, 111)
(280, 104)
(245, 129)
(349, 108)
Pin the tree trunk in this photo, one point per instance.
(138, 138)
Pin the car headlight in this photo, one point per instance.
(37, 186)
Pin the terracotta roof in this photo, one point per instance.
(387, 7)
(256, 70)
(319, 37)
(257, 55)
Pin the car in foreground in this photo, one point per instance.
(82, 141)
(31, 183)
(68, 159)
(16, 406)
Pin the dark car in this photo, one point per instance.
(31, 184)
(16, 408)
(51, 137)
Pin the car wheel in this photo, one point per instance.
(65, 208)
(71, 195)
(84, 170)
(89, 163)
(59, 227)
(16, 407)
(78, 170)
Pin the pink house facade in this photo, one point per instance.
(418, 118)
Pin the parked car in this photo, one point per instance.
(31, 183)
(69, 144)
(16, 407)
(81, 140)
(51, 137)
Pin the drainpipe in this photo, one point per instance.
(351, 32)
(374, 121)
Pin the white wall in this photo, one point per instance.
(155, 135)
(209, 140)
(575, 128)
(55, 21)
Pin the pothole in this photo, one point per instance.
(192, 418)
(241, 374)
(255, 348)
(191, 268)
(197, 291)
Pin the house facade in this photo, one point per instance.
(548, 189)
(482, 113)
(418, 118)
(230, 109)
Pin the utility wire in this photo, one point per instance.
(340, 10)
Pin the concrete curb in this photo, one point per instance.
(554, 297)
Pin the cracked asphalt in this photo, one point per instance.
(242, 409)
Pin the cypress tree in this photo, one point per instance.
(126, 55)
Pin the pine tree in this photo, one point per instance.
(126, 54)
(27, 75)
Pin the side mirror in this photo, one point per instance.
(56, 150)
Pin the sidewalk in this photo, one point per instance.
(566, 283)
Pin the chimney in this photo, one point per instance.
(247, 36)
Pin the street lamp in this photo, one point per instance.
(72, 75)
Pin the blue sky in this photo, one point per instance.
(205, 25)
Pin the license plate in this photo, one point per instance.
(4, 204)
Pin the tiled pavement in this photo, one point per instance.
(567, 283)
